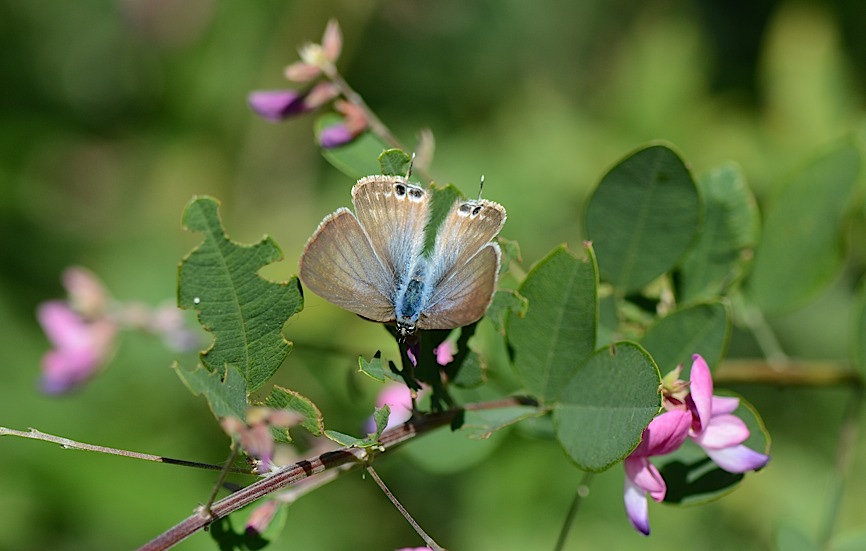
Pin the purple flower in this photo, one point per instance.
(698, 415)
(715, 428)
(350, 127)
(664, 434)
(335, 136)
(81, 347)
(277, 105)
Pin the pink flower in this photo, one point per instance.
(398, 398)
(698, 415)
(445, 352)
(664, 434)
(255, 435)
(715, 428)
(81, 347)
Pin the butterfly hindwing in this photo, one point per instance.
(464, 295)
(464, 266)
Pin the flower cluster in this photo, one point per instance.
(691, 412)
(83, 330)
(322, 84)
(254, 434)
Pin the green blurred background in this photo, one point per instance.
(115, 113)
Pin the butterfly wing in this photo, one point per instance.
(464, 295)
(340, 265)
(394, 214)
(464, 266)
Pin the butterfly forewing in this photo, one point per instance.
(464, 295)
(394, 214)
(468, 226)
(340, 265)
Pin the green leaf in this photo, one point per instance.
(394, 162)
(358, 157)
(244, 312)
(606, 405)
(558, 331)
(376, 369)
(727, 241)
(642, 217)
(472, 371)
(692, 478)
(801, 251)
(231, 538)
(483, 423)
(283, 398)
(443, 198)
(699, 329)
(506, 302)
(510, 253)
(380, 416)
(793, 538)
(225, 390)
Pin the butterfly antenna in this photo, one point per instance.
(480, 187)
(409, 168)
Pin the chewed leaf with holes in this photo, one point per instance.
(244, 312)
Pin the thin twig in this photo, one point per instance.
(66, 443)
(581, 492)
(812, 373)
(431, 543)
(845, 447)
(343, 459)
(205, 509)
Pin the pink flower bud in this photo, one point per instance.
(332, 41)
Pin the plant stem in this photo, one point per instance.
(582, 492)
(431, 543)
(845, 447)
(343, 459)
(66, 443)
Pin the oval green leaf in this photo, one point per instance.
(606, 405)
(729, 235)
(642, 217)
(700, 329)
(557, 333)
(802, 242)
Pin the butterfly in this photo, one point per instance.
(372, 262)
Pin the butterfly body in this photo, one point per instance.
(372, 262)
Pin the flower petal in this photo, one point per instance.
(701, 391)
(636, 507)
(335, 136)
(725, 404)
(738, 459)
(665, 433)
(645, 476)
(332, 41)
(301, 72)
(276, 105)
(723, 431)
